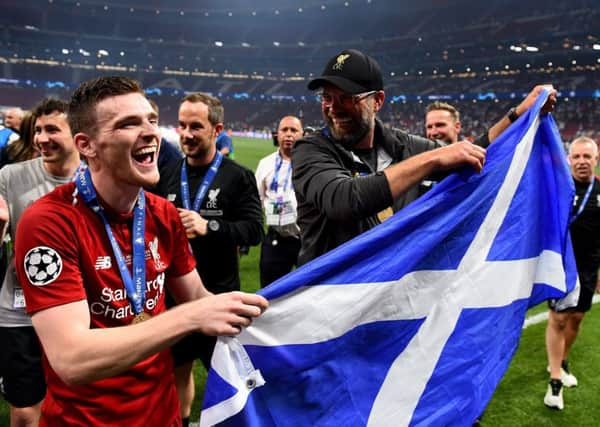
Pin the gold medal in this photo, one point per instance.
(385, 214)
(140, 317)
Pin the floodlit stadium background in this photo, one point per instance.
(258, 56)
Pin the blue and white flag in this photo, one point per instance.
(415, 321)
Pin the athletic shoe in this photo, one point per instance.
(554, 395)
(569, 380)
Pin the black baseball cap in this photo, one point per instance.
(352, 71)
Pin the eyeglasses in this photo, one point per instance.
(343, 99)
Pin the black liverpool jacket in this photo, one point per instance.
(338, 195)
(232, 200)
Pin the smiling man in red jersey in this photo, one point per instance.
(94, 258)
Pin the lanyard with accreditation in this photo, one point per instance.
(279, 210)
(136, 285)
(208, 179)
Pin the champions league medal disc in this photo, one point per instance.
(140, 317)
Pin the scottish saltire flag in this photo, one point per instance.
(416, 321)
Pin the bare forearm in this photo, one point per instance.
(402, 176)
(94, 354)
(411, 171)
(188, 287)
(499, 127)
(523, 106)
(79, 354)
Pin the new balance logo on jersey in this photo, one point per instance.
(103, 263)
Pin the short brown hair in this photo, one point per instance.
(49, 106)
(82, 113)
(439, 105)
(216, 112)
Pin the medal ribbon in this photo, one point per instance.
(82, 166)
(584, 201)
(136, 285)
(208, 179)
(274, 184)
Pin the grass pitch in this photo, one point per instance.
(518, 400)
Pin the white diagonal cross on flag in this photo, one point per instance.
(438, 296)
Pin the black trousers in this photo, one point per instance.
(278, 256)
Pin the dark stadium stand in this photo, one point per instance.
(258, 58)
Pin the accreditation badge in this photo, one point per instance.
(18, 298)
(280, 212)
(272, 209)
(287, 213)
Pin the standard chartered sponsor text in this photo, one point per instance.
(105, 308)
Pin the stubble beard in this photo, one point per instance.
(197, 151)
(353, 137)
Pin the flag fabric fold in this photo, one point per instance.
(416, 321)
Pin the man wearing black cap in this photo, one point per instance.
(355, 172)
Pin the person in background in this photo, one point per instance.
(20, 185)
(564, 323)
(225, 144)
(442, 122)
(279, 250)
(13, 117)
(20, 150)
(23, 148)
(12, 123)
(218, 204)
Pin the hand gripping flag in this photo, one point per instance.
(415, 321)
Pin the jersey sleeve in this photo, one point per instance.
(47, 258)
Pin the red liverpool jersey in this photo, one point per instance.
(63, 255)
